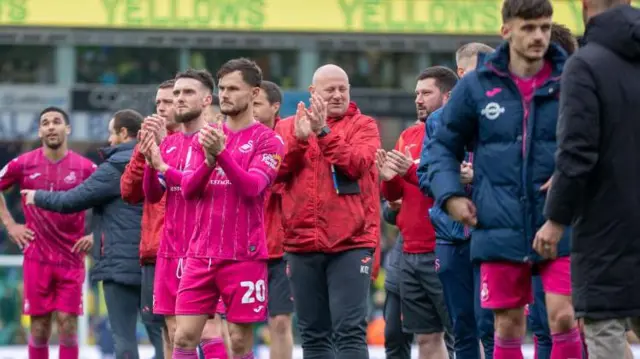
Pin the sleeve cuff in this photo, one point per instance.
(172, 175)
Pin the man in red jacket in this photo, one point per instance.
(331, 210)
(266, 109)
(152, 213)
(423, 305)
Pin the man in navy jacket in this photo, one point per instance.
(506, 114)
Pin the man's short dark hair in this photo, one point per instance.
(129, 119)
(215, 101)
(251, 72)
(444, 77)
(65, 115)
(167, 84)
(562, 36)
(202, 76)
(526, 9)
(274, 94)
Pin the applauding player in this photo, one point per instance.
(227, 255)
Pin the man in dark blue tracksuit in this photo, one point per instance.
(459, 276)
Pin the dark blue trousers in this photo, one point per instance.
(461, 282)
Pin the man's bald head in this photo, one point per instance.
(331, 83)
(329, 70)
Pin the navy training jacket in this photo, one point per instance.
(511, 162)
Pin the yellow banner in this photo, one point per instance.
(468, 17)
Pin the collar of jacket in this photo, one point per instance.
(106, 152)
(498, 61)
(352, 110)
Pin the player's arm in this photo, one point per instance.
(295, 150)
(132, 178)
(356, 157)
(153, 184)
(578, 141)
(447, 147)
(101, 187)
(193, 183)
(9, 176)
(262, 170)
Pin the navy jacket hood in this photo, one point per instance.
(118, 155)
(617, 29)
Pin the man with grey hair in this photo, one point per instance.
(467, 56)
(594, 187)
(331, 216)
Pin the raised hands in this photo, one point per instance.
(393, 163)
(149, 148)
(156, 125)
(384, 170)
(318, 113)
(212, 140)
(302, 124)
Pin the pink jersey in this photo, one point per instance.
(231, 196)
(176, 151)
(55, 233)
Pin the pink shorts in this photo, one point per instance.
(242, 286)
(50, 288)
(166, 283)
(506, 285)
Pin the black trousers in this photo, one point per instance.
(330, 294)
(397, 344)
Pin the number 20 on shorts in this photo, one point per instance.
(254, 291)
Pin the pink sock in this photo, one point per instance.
(38, 348)
(179, 353)
(214, 348)
(246, 356)
(567, 345)
(535, 347)
(507, 348)
(69, 347)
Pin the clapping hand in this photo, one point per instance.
(385, 171)
(212, 140)
(149, 148)
(318, 114)
(156, 125)
(302, 125)
(400, 162)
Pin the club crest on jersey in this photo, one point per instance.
(71, 178)
(273, 161)
(247, 147)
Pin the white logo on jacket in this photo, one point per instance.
(492, 111)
